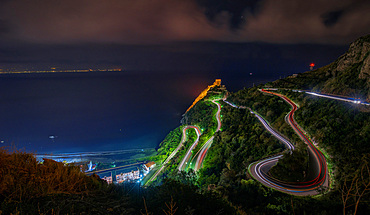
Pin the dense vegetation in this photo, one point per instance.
(171, 170)
(242, 141)
(343, 130)
(170, 142)
(272, 108)
(202, 115)
(340, 128)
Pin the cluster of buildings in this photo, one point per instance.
(129, 175)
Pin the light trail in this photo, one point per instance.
(265, 124)
(296, 188)
(273, 132)
(183, 139)
(332, 96)
(189, 152)
(352, 100)
(259, 170)
(202, 153)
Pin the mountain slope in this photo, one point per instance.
(349, 75)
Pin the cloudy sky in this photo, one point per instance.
(156, 21)
(43, 31)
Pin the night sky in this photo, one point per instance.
(168, 49)
(137, 35)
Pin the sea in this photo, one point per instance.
(100, 111)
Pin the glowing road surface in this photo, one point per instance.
(198, 158)
(185, 160)
(259, 169)
(183, 139)
(266, 125)
(203, 151)
(273, 132)
(352, 100)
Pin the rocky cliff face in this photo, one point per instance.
(355, 61)
(358, 53)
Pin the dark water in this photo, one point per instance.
(95, 111)
(101, 111)
(134, 109)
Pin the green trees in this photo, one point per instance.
(202, 115)
(293, 166)
(170, 142)
(242, 141)
(338, 127)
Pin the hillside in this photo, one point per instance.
(349, 75)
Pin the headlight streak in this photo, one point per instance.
(183, 139)
(297, 188)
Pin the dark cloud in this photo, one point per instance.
(4, 27)
(331, 18)
(300, 21)
(235, 8)
(158, 21)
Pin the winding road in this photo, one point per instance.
(197, 160)
(273, 132)
(188, 154)
(259, 170)
(204, 150)
(199, 157)
(183, 139)
(318, 179)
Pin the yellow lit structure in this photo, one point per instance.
(204, 93)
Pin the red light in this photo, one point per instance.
(312, 65)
